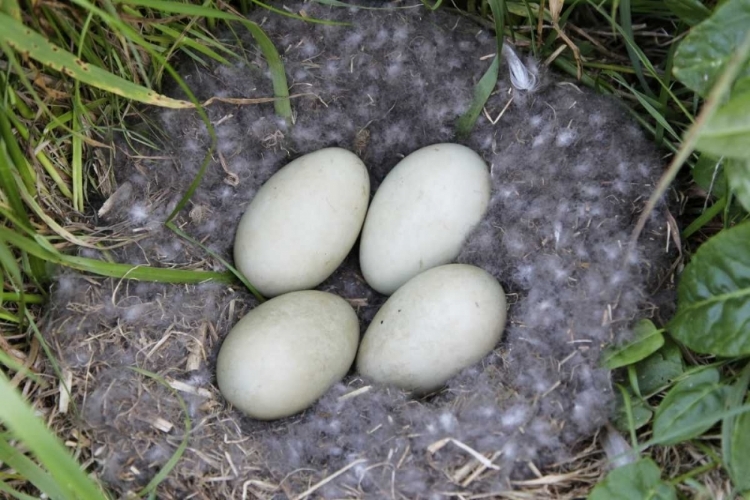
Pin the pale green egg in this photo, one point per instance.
(422, 213)
(438, 323)
(303, 222)
(286, 353)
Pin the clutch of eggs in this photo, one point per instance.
(286, 353)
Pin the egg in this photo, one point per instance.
(422, 213)
(286, 353)
(303, 222)
(438, 323)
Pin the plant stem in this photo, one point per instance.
(715, 97)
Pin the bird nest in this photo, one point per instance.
(570, 174)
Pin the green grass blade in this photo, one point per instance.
(667, 81)
(338, 3)
(4, 488)
(50, 358)
(8, 183)
(19, 418)
(736, 396)
(715, 97)
(114, 270)
(30, 43)
(19, 367)
(66, 30)
(482, 92)
(295, 16)
(276, 67)
(644, 61)
(10, 188)
(10, 266)
(218, 257)
(11, 98)
(628, 403)
(77, 145)
(7, 316)
(15, 153)
(434, 6)
(16, 297)
(164, 472)
(64, 118)
(40, 155)
(143, 273)
(487, 83)
(705, 217)
(13, 271)
(626, 25)
(646, 103)
(29, 470)
(153, 274)
(278, 76)
(20, 72)
(212, 13)
(191, 43)
(76, 139)
(11, 8)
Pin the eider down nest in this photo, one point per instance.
(570, 174)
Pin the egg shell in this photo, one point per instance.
(286, 353)
(437, 324)
(422, 213)
(303, 222)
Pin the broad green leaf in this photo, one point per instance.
(695, 399)
(646, 340)
(706, 49)
(660, 368)
(713, 296)
(708, 173)
(32, 44)
(641, 414)
(738, 175)
(640, 480)
(727, 132)
(690, 11)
